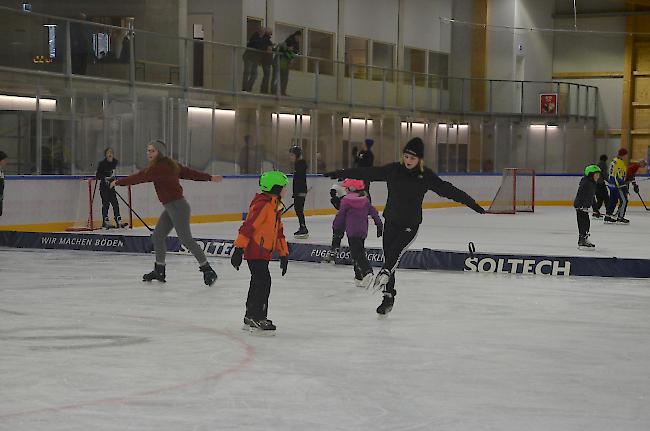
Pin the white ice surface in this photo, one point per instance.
(549, 231)
(87, 346)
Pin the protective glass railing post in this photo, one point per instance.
(383, 88)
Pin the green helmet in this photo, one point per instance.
(591, 169)
(272, 178)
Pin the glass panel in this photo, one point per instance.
(415, 61)
(158, 58)
(321, 45)
(439, 65)
(383, 55)
(356, 53)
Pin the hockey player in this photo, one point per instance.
(3, 163)
(407, 181)
(602, 196)
(352, 219)
(583, 200)
(165, 173)
(299, 190)
(106, 175)
(259, 236)
(615, 181)
(630, 177)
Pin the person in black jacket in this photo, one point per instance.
(266, 59)
(583, 201)
(407, 181)
(299, 189)
(3, 162)
(602, 195)
(105, 175)
(252, 58)
(365, 159)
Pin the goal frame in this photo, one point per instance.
(515, 173)
(90, 195)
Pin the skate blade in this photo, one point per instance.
(301, 236)
(365, 282)
(261, 332)
(583, 248)
(382, 316)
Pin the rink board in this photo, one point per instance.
(425, 259)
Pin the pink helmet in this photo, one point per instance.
(353, 185)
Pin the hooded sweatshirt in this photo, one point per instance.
(262, 232)
(353, 216)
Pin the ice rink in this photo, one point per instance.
(87, 346)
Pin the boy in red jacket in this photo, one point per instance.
(259, 236)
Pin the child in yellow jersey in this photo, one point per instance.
(615, 182)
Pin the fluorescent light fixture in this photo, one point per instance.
(542, 126)
(292, 117)
(347, 120)
(208, 111)
(453, 126)
(20, 103)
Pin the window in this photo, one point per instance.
(382, 58)
(252, 25)
(282, 32)
(415, 61)
(438, 65)
(356, 54)
(321, 45)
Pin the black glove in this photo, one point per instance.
(476, 207)
(635, 186)
(335, 175)
(380, 230)
(235, 259)
(284, 262)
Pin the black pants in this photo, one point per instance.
(79, 63)
(266, 78)
(257, 302)
(109, 198)
(602, 196)
(396, 240)
(299, 207)
(358, 255)
(583, 222)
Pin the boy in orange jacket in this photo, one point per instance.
(259, 236)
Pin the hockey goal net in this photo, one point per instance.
(89, 207)
(516, 192)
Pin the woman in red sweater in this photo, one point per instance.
(165, 174)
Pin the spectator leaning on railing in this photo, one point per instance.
(252, 57)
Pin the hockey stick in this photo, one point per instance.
(644, 205)
(133, 211)
(294, 203)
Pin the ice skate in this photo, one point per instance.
(209, 276)
(596, 215)
(106, 224)
(584, 243)
(366, 280)
(381, 280)
(331, 255)
(121, 223)
(259, 326)
(158, 273)
(609, 219)
(386, 305)
(622, 220)
(301, 233)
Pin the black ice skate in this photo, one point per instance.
(622, 220)
(301, 233)
(259, 326)
(596, 215)
(609, 219)
(584, 243)
(158, 273)
(209, 276)
(386, 305)
(381, 280)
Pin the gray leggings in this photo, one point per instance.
(176, 215)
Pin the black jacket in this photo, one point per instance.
(300, 177)
(585, 195)
(106, 172)
(406, 190)
(364, 159)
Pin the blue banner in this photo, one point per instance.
(426, 259)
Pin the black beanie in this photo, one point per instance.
(297, 151)
(415, 147)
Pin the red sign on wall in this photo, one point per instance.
(548, 103)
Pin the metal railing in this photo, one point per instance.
(74, 48)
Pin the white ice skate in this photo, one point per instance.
(381, 280)
(366, 281)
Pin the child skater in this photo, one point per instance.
(352, 219)
(259, 236)
(106, 175)
(165, 173)
(407, 181)
(584, 199)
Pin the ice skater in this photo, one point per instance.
(407, 181)
(106, 175)
(165, 173)
(615, 181)
(602, 196)
(583, 200)
(630, 178)
(352, 219)
(259, 236)
(299, 190)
